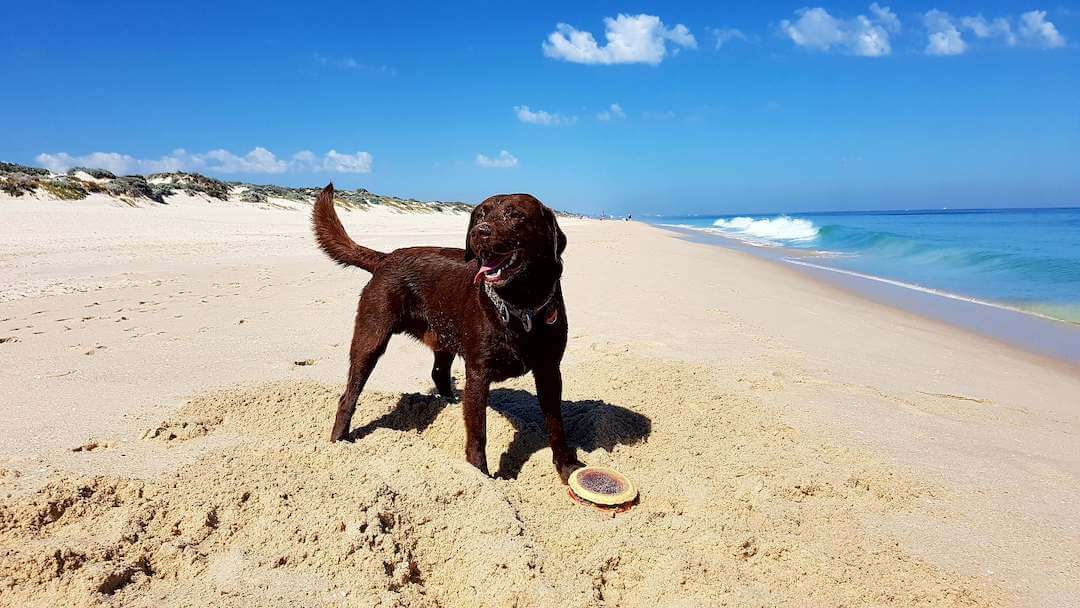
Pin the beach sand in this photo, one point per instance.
(170, 375)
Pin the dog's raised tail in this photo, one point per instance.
(333, 239)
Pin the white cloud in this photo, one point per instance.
(350, 63)
(815, 28)
(630, 39)
(725, 35)
(680, 35)
(1032, 29)
(333, 161)
(305, 158)
(258, 160)
(983, 28)
(541, 117)
(1035, 29)
(348, 163)
(868, 39)
(614, 112)
(942, 36)
(504, 160)
(864, 36)
(110, 161)
(885, 17)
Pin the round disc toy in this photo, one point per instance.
(602, 487)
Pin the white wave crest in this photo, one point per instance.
(780, 228)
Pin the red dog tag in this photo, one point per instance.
(552, 316)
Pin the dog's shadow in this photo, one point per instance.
(412, 412)
(589, 424)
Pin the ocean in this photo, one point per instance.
(1023, 259)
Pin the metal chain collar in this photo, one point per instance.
(506, 309)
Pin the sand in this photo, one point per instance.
(794, 444)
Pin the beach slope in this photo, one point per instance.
(171, 374)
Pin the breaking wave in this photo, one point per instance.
(782, 228)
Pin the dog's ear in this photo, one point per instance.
(560, 238)
(469, 254)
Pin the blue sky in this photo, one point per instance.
(752, 108)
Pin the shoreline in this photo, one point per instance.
(1033, 332)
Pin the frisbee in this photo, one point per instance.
(602, 487)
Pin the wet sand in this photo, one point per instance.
(1029, 331)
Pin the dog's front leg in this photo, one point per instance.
(549, 393)
(474, 406)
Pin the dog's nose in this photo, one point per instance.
(483, 229)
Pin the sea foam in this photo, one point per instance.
(782, 228)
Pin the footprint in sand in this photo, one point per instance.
(957, 397)
(92, 445)
(183, 430)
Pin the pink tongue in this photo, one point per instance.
(480, 274)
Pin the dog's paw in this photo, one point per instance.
(345, 437)
(566, 469)
(478, 459)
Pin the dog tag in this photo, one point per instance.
(552, 316)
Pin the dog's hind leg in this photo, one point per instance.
(440, 373)
(369, 341)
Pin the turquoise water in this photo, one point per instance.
(1027, 259)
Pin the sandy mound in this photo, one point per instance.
(736, 508)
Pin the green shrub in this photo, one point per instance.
(161, 191)
(97, 173)
(133, 187)
(263, 192)
(65, 188)
(194, 183)
(18, 184)
(17, 168)
(92, 186)
(251, 195)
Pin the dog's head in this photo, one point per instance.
(515, 236)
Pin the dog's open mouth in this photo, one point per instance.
(497, 269)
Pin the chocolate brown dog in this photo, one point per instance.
(497, 303)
